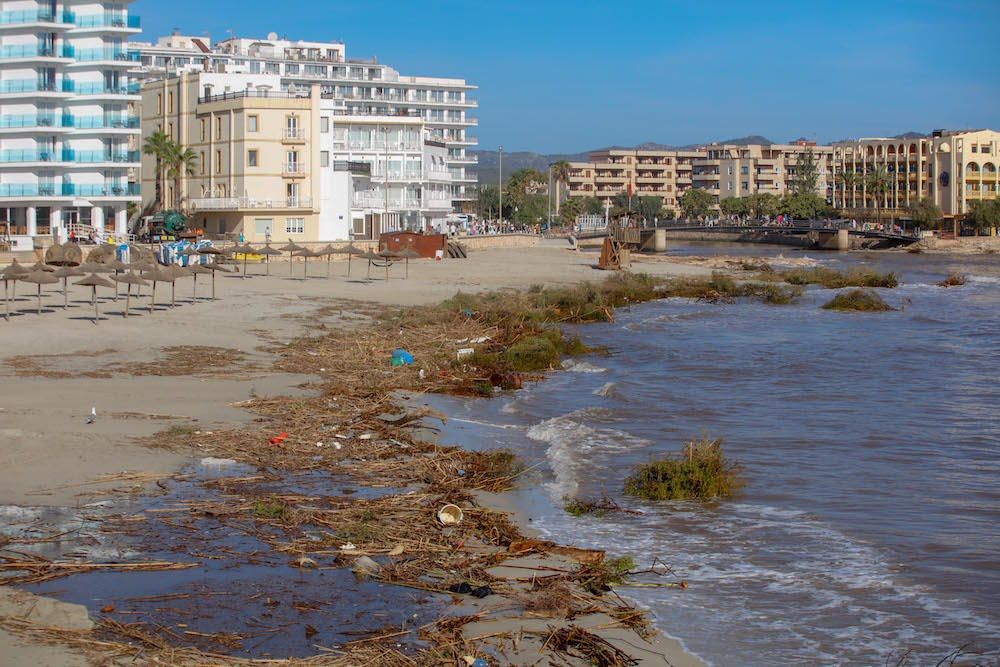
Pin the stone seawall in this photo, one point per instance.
(487, 242)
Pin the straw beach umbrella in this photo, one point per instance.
(195, 270)
(387, 256)
(305, 253)
(40, 278)
(175, 271)
(129, 279)
(350, 250)
(38, 266)
(408, 254)
(246, 249)
(215, 268)
(370, 257)
(67, 272)
(12, 274)
(94, 281)
(290, 247)
(156, 275)
(268, 253)
(117, 266)
(64, 254)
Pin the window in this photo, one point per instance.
(294, 225)
(203, 129)
(252, 158)
(159, 103)
(262, 226)
(203, 163)
(170, 102)
(170, 130)
(218, 127)
(975, 149)
(324, 158)
(218, 162)
(324, 124)
(253, 123)
(744, 170)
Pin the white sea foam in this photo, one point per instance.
(575, 448)
(582, 367)
(607, 390)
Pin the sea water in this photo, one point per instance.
(870, 443)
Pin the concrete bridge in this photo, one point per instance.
(807, 234)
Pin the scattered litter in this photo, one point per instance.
(338, 446)
(397, 550)
(319, 444)
(347, 546)
(304, 562)
(100, 503)
(211, 461)
(401, 357)
(278, 439)
(365, 565)
(107, 609)
(366, 436)
(466, 352)
(465, 588)
(93, 416)
(450, 514)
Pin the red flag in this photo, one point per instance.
(630, 188)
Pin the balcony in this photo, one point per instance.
(100, 88)
(437, 204)
(47, 122)
(108, 20)
(101, 122)
(96, 157)
(69, 190)
(249, 203)
(106, 54)
(32, 51)
(293, 169)
(30, 16)
(294, 135)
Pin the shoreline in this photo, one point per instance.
(31, 420)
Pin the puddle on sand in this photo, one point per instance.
(243, 598)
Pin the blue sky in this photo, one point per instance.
(564, 75)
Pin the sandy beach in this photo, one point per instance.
(58, 366)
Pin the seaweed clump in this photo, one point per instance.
(833, 279)
(953, 280)
(861, 300)
(701, 472)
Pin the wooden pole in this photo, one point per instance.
(39, 298)
(65, 292)
(97, 315)
(152, 298)
(128, 300)
(6, 302)
(213, 285)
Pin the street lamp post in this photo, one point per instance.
(500, 213)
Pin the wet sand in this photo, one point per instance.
(57, 366)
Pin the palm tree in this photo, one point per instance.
(180, 161)
(877, 182)
(560, 173)
(158, 145)
(848, 179)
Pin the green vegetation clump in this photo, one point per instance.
(701, 472)
(598, 578)
(833, 279)
(270, 508)
(536, 353)
(862, 300)
(721, 287)
(953, 280)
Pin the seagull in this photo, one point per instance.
(93, 416)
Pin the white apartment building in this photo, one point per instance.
(363, 86)
(69, 124)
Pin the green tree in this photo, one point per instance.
(877, 183)
(984, 215)
(570, 209)
(487, 201)
(806, 173)
(925, 213)
(666, 214)
(803, 205)
(696, 203)
(762, 204)
(560, 171)
(179, 162)
(158, 145)
(593, 206)
(734, 206)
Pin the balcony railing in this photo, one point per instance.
(92, 55)
(107, 21)
(237, 203)
(69, 190)
(100, 88)
(35, 16)
(101, 122)
(35, 51)
(294, 134)
(295, 168)
(29, 86)
(31, 120)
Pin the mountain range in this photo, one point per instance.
(488, 169)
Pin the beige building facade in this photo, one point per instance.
(739, 171)
(652, 173)
(952, 168)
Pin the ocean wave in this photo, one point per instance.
(608, 390)
(575, 366)
(989, 280)
(575, 448)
